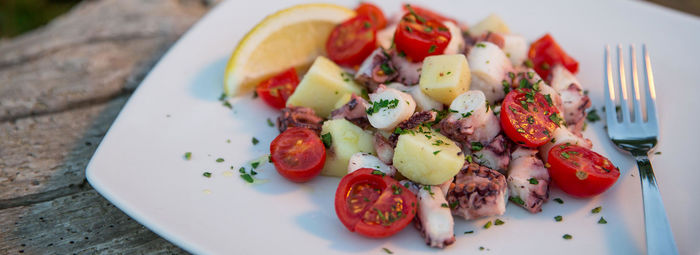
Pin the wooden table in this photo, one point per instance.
(61, 87)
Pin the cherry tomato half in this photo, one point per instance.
(419, 36)
(428, 13)
(276, 90)
(298, 154)
(581, 172)
(352, 41)
(545, 53)
(372, 204)
(528, 118)
(373, 12)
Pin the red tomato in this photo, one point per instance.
(298, 154)
(545, 53)
(372, 204)
(581, 172)
(276, 90)
(528, 118)
(373, 12)
(352, 41)
(420, 36)
(428, 13)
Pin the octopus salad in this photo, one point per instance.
(424, 118)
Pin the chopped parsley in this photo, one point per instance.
(558, 218)
(436, 152)
(517, 200)
(597, 209)
(445, 205)
(602, 221)
(377, 172)
(477, 146)
(207, 174)
(241, 170)
(247, 178)
(219, 160)
(465, 115)
(498, 222)
(255, 141)
(531, 119)
(432, 48)
(549, 99)
(529, 63)
(555, 118)
(469, 158)
(487, 225)
(270, 123)
(255, 94)
(592, 116)
(564, 154)
(227, 104)
(480, 45)
(430, 191)
(386, 69)
(657, 153)
(469, 232)
(428, 29)
(387, 250)
(367, 24)
(376, 106)
(188, 155)
(558, 200)
(567, 236)
(327, 139)
(533, 181)
(397, 190)
(255, 164)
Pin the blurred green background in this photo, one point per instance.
(18, 16)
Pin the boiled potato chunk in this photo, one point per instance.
(347, 139)
(322, 86)
(342, 101)
(427, 158)
(492, 23)
(444, 77)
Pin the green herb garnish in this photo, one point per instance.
(487, 225)
(219, 160)
(207, 174)
(327, 140)
(533, 181)
(558, 218)
(188, 155)
(602, 221)
(498, 222)
(597, 209)
(567, 236)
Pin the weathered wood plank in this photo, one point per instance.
(94, 53)
(46, 153)
(83, 223)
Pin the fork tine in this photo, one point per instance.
(624, 106)
(638, 116)
(610, 114)
(651, 90)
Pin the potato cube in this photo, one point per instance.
(492, 23)
(322, 86)
(444, 77)
(347, 139)
(427, 157)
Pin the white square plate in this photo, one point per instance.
(139, 165)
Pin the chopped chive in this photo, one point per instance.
(188, 155)
(255, 141)
(558, 218)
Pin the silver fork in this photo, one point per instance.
(637, 136)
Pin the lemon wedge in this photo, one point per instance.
(292, 37)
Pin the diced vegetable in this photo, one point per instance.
(342, 101)
(427, 158)
(322, 86)
(515, 48)
(444, 77)
(346, 140)
(492, 23)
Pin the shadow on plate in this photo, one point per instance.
(208, 83)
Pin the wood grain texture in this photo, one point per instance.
(82, 223)
(100, 50)
(61, 87)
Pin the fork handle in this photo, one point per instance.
(658, 231)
